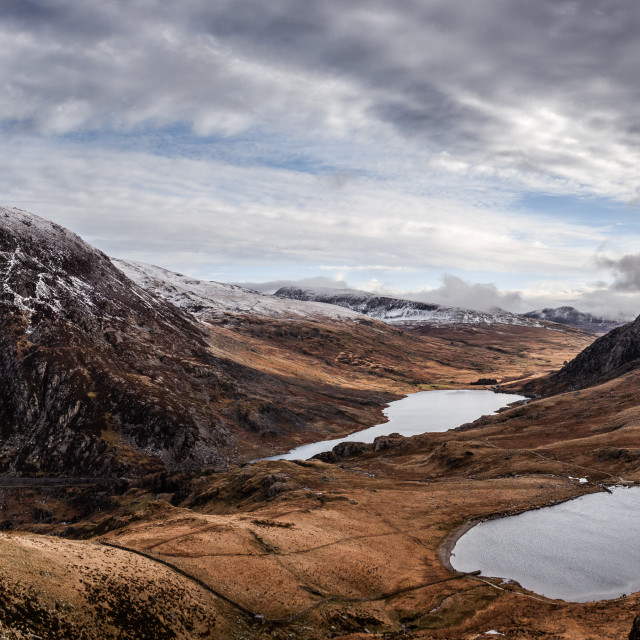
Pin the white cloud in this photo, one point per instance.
(456, 292)
(172, 210)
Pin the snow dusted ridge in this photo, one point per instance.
(48, 270)
(52, 278)
(572, 317)
(212, 301)
(401, 311)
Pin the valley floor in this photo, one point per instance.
(349, 550)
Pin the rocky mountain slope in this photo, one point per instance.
(98, 376)
(574, 318)
(101, 377)
(405, 312)
(610, 356)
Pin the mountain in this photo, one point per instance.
(404, 312)
(101, 377)
(217, 301)
(572, 317)
(98, 376)
(610, 356)
(310, 338)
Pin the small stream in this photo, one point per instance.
(426, 411)
(582, 550)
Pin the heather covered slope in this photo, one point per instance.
(327, 342)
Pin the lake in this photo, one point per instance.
(582, 550)
(426, 411)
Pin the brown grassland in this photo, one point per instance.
(353, 549)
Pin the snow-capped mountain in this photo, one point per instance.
(401, 311)
(85, 352)
(574, 318)
(213, 301)
(103, 377)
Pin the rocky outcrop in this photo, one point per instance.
(634, 634)
(341, 451)
(610, 356)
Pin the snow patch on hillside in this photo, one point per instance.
(212, 301)
(45, 269)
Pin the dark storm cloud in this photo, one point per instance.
(65, 17)
(420, 61)
(626, 271)
(443, 70)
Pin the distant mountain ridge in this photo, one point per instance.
(402, 311)
(574, 318)
(213, 301)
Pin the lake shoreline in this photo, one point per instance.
(448, 544)
(446, 548)
(414, 414)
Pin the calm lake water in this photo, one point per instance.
(582, 550)
(427, 411)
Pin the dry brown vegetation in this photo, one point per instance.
(343, 372)
(347, 550)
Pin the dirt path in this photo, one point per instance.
(257, 617)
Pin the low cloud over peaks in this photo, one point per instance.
(456, 292)
(626, 271)
(312, 283)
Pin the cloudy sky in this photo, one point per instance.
(482, 153)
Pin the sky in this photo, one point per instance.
(479, 153)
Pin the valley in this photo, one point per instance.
(158, 389)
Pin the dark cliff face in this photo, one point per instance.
(610, 356)
(98, 377)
